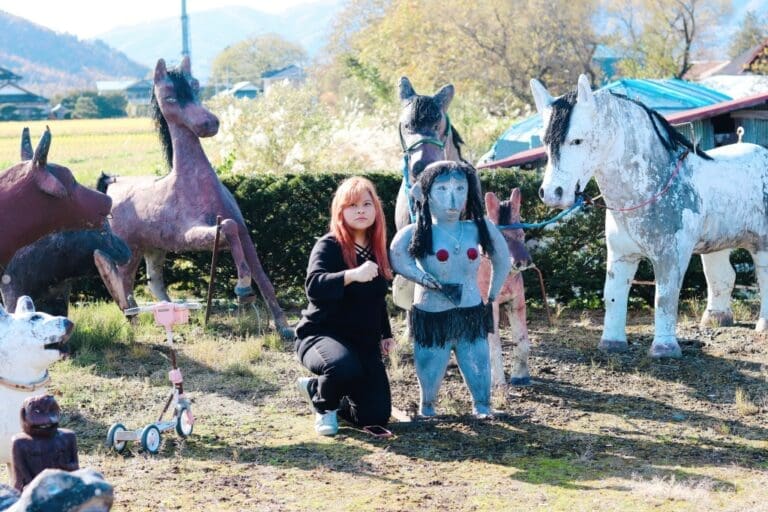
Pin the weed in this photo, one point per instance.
(744, 404)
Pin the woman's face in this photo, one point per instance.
(448, 196)
(361, 214)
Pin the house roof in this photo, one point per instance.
(686, 116)
(121, 85)
(290, 70)
(12, 93)
(664, 96)
(741, 63)
(7, 74)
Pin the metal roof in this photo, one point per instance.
(521, 143)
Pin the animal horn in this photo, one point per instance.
(40, 158)
(26, 145)
(406, 89)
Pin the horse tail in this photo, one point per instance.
(104, 181)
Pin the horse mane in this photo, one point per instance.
(505, 213)
(184, 95)
(670, 138)
(425, 111)
(562, 108)
(421, 242)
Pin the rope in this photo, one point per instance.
(579, 203)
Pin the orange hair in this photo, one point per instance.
(348, 193)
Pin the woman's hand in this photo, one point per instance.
(387, 344)
(362, 274)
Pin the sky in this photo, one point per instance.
(88, 18)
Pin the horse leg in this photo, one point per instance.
(494, 349)
(474, 362)
(264, 285)
(720, 280)
(760, 259)
(669, 272)
(155, 259)
(118, 280)
(516, 313)
(620, 269)
(430, 364)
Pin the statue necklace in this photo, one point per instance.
(457, 247)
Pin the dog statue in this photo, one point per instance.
(29, 343)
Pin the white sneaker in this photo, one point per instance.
(326, 424)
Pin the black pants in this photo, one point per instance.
(350, 380)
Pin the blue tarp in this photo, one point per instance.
(665, 96)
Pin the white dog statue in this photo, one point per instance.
(29, 343)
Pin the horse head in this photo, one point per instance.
(175, 102)
(426, 134)
(506, 213)
(572, 135)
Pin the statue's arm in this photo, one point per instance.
(500, 264)
(402, 262)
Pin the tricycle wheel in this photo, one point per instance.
(184, 424)
(150, 439)
(118, 446)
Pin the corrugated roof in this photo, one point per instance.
(665, 96)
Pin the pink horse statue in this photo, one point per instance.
(178, 211)
(512, 294)
(37, 198)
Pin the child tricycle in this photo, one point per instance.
(166, 314)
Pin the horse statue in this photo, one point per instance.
(178, 211)
(38, 197)
(426, 135)
(439, 252)
(665, 201)
(504, 214)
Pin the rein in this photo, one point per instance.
(32, 386)
(579, 203)
(652, 199)
(407, 157)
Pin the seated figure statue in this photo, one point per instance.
(440, 253)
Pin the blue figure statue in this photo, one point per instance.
(440, 254)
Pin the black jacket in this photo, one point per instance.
(355, 315)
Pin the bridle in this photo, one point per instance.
(408, 149)
(32, 386)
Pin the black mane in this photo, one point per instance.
(562, 108)
(184, 95)
(424, 114)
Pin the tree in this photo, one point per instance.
(90, 105)
(85, 108)
(752, 31)
(660, 37)
(248, 59)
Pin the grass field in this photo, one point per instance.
(125, 146)
(594, 432)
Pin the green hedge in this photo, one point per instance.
(286, 213)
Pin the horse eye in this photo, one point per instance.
(577, 142)
(170, 99)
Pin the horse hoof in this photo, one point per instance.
(658, 351)
(716, 319)
(520, 381)
(613, 346)
(287, 333)
(762, 325)
(243, 291)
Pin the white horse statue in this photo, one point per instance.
(665, 201)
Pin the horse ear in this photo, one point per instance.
(492, 206)
(186, 66)
(584, 93)
(40, 158)
(417, 193)
(161, 72)
(515, 198)
(25, 305)
(26, 145)
(541, 97)
(406, 89)
(444, 96)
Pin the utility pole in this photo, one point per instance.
(184, 30)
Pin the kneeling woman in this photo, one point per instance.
(345, 329)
